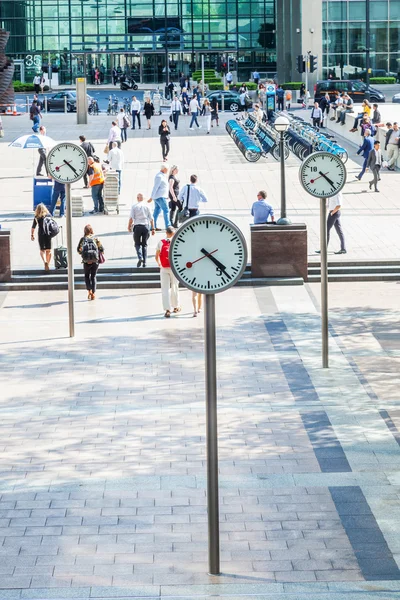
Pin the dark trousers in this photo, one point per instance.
(165, 148)
(140, 236)
(110, 145)
(173, 214)
(136, 115)
(334, 221)
(42, 161)
(90, 276)
(363, 167)
(377, 177)
(175, 118)
(123, 134)
(86, 179)
(316, 122)
(193, 212)
(280, 103)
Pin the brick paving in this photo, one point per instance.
(102, 454)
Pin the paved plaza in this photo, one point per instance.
(102, 451)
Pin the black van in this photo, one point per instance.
(354, 87)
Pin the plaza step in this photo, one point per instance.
(372, 270)
(115, 278)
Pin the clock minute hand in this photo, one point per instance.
(327, 179)
(216, 262)
(71, 167)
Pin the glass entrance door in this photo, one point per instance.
(153, 67)
(100, 63)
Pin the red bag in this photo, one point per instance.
(164, 253)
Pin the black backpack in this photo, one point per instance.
(90, 251)
(50, 227)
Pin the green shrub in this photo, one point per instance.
(292, 85)
(197, 75)
(215, 86)
(26, 87)
(382, 80)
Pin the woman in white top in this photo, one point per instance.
(207, 113)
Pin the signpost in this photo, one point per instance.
(323, 175)
(81, 101)
(208, 255)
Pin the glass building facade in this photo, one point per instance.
(344, 39)
(78, 35)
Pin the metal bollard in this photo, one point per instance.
(27, 104)
(65, 104)
(45, 104)
(222, 102)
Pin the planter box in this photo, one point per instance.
(279, 250)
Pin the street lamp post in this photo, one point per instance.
(367, 47)
(281, 125)
(166, 46)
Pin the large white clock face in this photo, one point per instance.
(208, 254)
(322, 174)
(66, 162)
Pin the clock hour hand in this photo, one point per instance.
(71, 167)
(216, 262)
(327, 179)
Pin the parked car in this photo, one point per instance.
(354, 87)
(231, 99)
(57, 101)
(396, 98)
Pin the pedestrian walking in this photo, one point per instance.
(143, 223)
(123, 123)
(197, 300)
(169, 283)
(365, 149)
(58, 192)
(392, 145)
(242, 102)
(36, 83)
(214, 111)
(42, 155)
(191, 195)
(135, 110)
(96, 184)
(116, 162)
(280, 96)
(261, 209)
(194, 111)
(97, 76)
(185, 101)
(114, 135)
(44, 239)
(148, 111)
(114, 76)
(174, 204)
(35, 115)
(160, 194)
(374, 163)
(176, 109)
(316, 115)
(89, 151)
(288, 98)
(229, 78)
(335, 204)
(256, 77)
(91, 250)
(207, 113)
(165, 136)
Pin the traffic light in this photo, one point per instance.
(313, 63)
(301, 66)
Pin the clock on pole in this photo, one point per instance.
(323, 175)
(208, 255)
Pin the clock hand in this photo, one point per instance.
(71, 167)
(216, 262)
(312, 180)
(189, 264)
(327, 179)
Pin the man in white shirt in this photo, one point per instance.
(143, 223)
(335, 204)
(135, 110)
(316, 115)
(191, 195)
(229, 78)
(123, 124)
(160, 195)
(176, 108)
(114, 135)
(116, 162)
(36, 82)
(194, 111)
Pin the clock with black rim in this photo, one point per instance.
(66, 162)
(208, 254)
(322, 174)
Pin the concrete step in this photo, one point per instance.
(356, 270)
(356, 277)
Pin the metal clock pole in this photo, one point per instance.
(324, 284)
(70, 261)
(212, 436)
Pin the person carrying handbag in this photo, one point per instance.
(191, 196)
(176, 109)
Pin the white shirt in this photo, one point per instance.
(161, 187)
(37, 80)
(120, 119)
(334, 201)
(116, 159)
(141, 214)
(115, 134)
(194, 105)
(135, 105)
(229, 77)
(243, 98)
(176, 106)
(196, 195)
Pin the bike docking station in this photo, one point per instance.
(208, 255)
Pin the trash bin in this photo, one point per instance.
(42, 191)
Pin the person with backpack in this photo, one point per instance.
(48, 229)
(169, 283)
(89, 151)
(91, 251)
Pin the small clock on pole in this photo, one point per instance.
(323, 175)
(208, 255)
